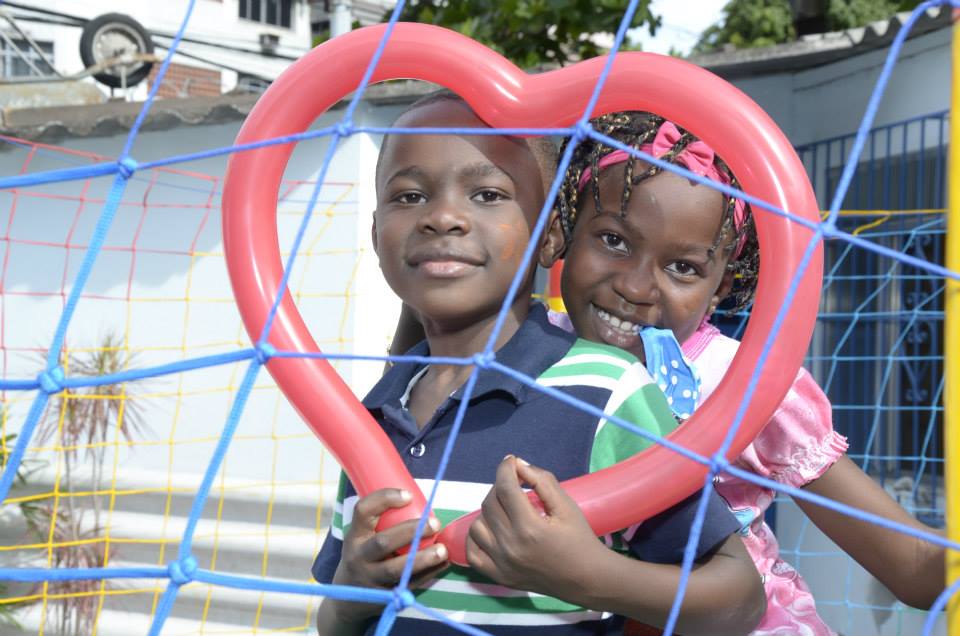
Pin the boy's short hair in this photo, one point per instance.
(544, 149)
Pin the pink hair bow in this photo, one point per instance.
(697, 157)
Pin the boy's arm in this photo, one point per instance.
(556, 553)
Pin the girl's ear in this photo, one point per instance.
(723, 290)
(554, 244)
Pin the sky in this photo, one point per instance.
(682, 23)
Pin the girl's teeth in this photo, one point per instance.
(621, 325)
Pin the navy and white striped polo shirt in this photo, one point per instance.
(506, 417)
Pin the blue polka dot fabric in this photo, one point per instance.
(673, 373)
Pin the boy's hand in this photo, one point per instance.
(518, 545)
(370, 559)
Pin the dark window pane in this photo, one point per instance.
(272, 12)
(17, 60)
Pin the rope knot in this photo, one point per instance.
(265, 352)
(127, 166)
(484, 359)
(344, 128)
(582, 130)
(402, 599)
(717, 463)
(51, 381)
(182, 571)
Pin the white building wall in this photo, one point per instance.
(213, 22)
(830, 100)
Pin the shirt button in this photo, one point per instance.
(418, 450)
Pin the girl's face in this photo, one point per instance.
(659, 264)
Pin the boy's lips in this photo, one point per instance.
(445, 269)
(442, 262)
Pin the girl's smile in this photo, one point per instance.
(615, 331)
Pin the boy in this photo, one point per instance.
(454, 215)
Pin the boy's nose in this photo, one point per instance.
(444, 217)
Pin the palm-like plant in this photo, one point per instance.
(84, 419)
(8, 608)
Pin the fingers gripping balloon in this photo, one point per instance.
(504, 96)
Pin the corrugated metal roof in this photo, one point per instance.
(53, 124)
(821, 48)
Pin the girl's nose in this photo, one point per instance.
(444, 216)
(636, 282)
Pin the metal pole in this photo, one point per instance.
(951, 348)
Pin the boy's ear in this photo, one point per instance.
(373, 234)
(554, 244)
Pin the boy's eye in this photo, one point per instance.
(409, 198)
(613, 241)
(489, 196)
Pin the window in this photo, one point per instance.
(275, 12)
(17, 59)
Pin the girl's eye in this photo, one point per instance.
(613, 241)
(409, 198)
(682, 268)
(489, 196)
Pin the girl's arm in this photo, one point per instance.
(911, 568)
(557, 554)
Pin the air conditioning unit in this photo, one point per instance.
(269, 43)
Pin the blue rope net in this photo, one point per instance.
(184, 568)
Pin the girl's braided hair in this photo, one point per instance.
(634, 129)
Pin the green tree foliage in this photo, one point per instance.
(755, 23)
(847, 14)
(532, 32)
(748, 24)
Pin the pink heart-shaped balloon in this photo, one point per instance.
(503, 96)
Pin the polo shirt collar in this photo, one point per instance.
(535, 347)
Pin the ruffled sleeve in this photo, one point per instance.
(799, 443)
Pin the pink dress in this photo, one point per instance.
(794, 448)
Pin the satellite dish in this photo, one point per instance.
(120, 43)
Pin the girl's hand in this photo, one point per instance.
(369, 557)
(518, 545)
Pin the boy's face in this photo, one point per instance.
(454, 215)
(657, 265)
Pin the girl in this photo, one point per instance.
(645, 247)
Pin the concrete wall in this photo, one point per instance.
(175, 275)
(830, 100)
